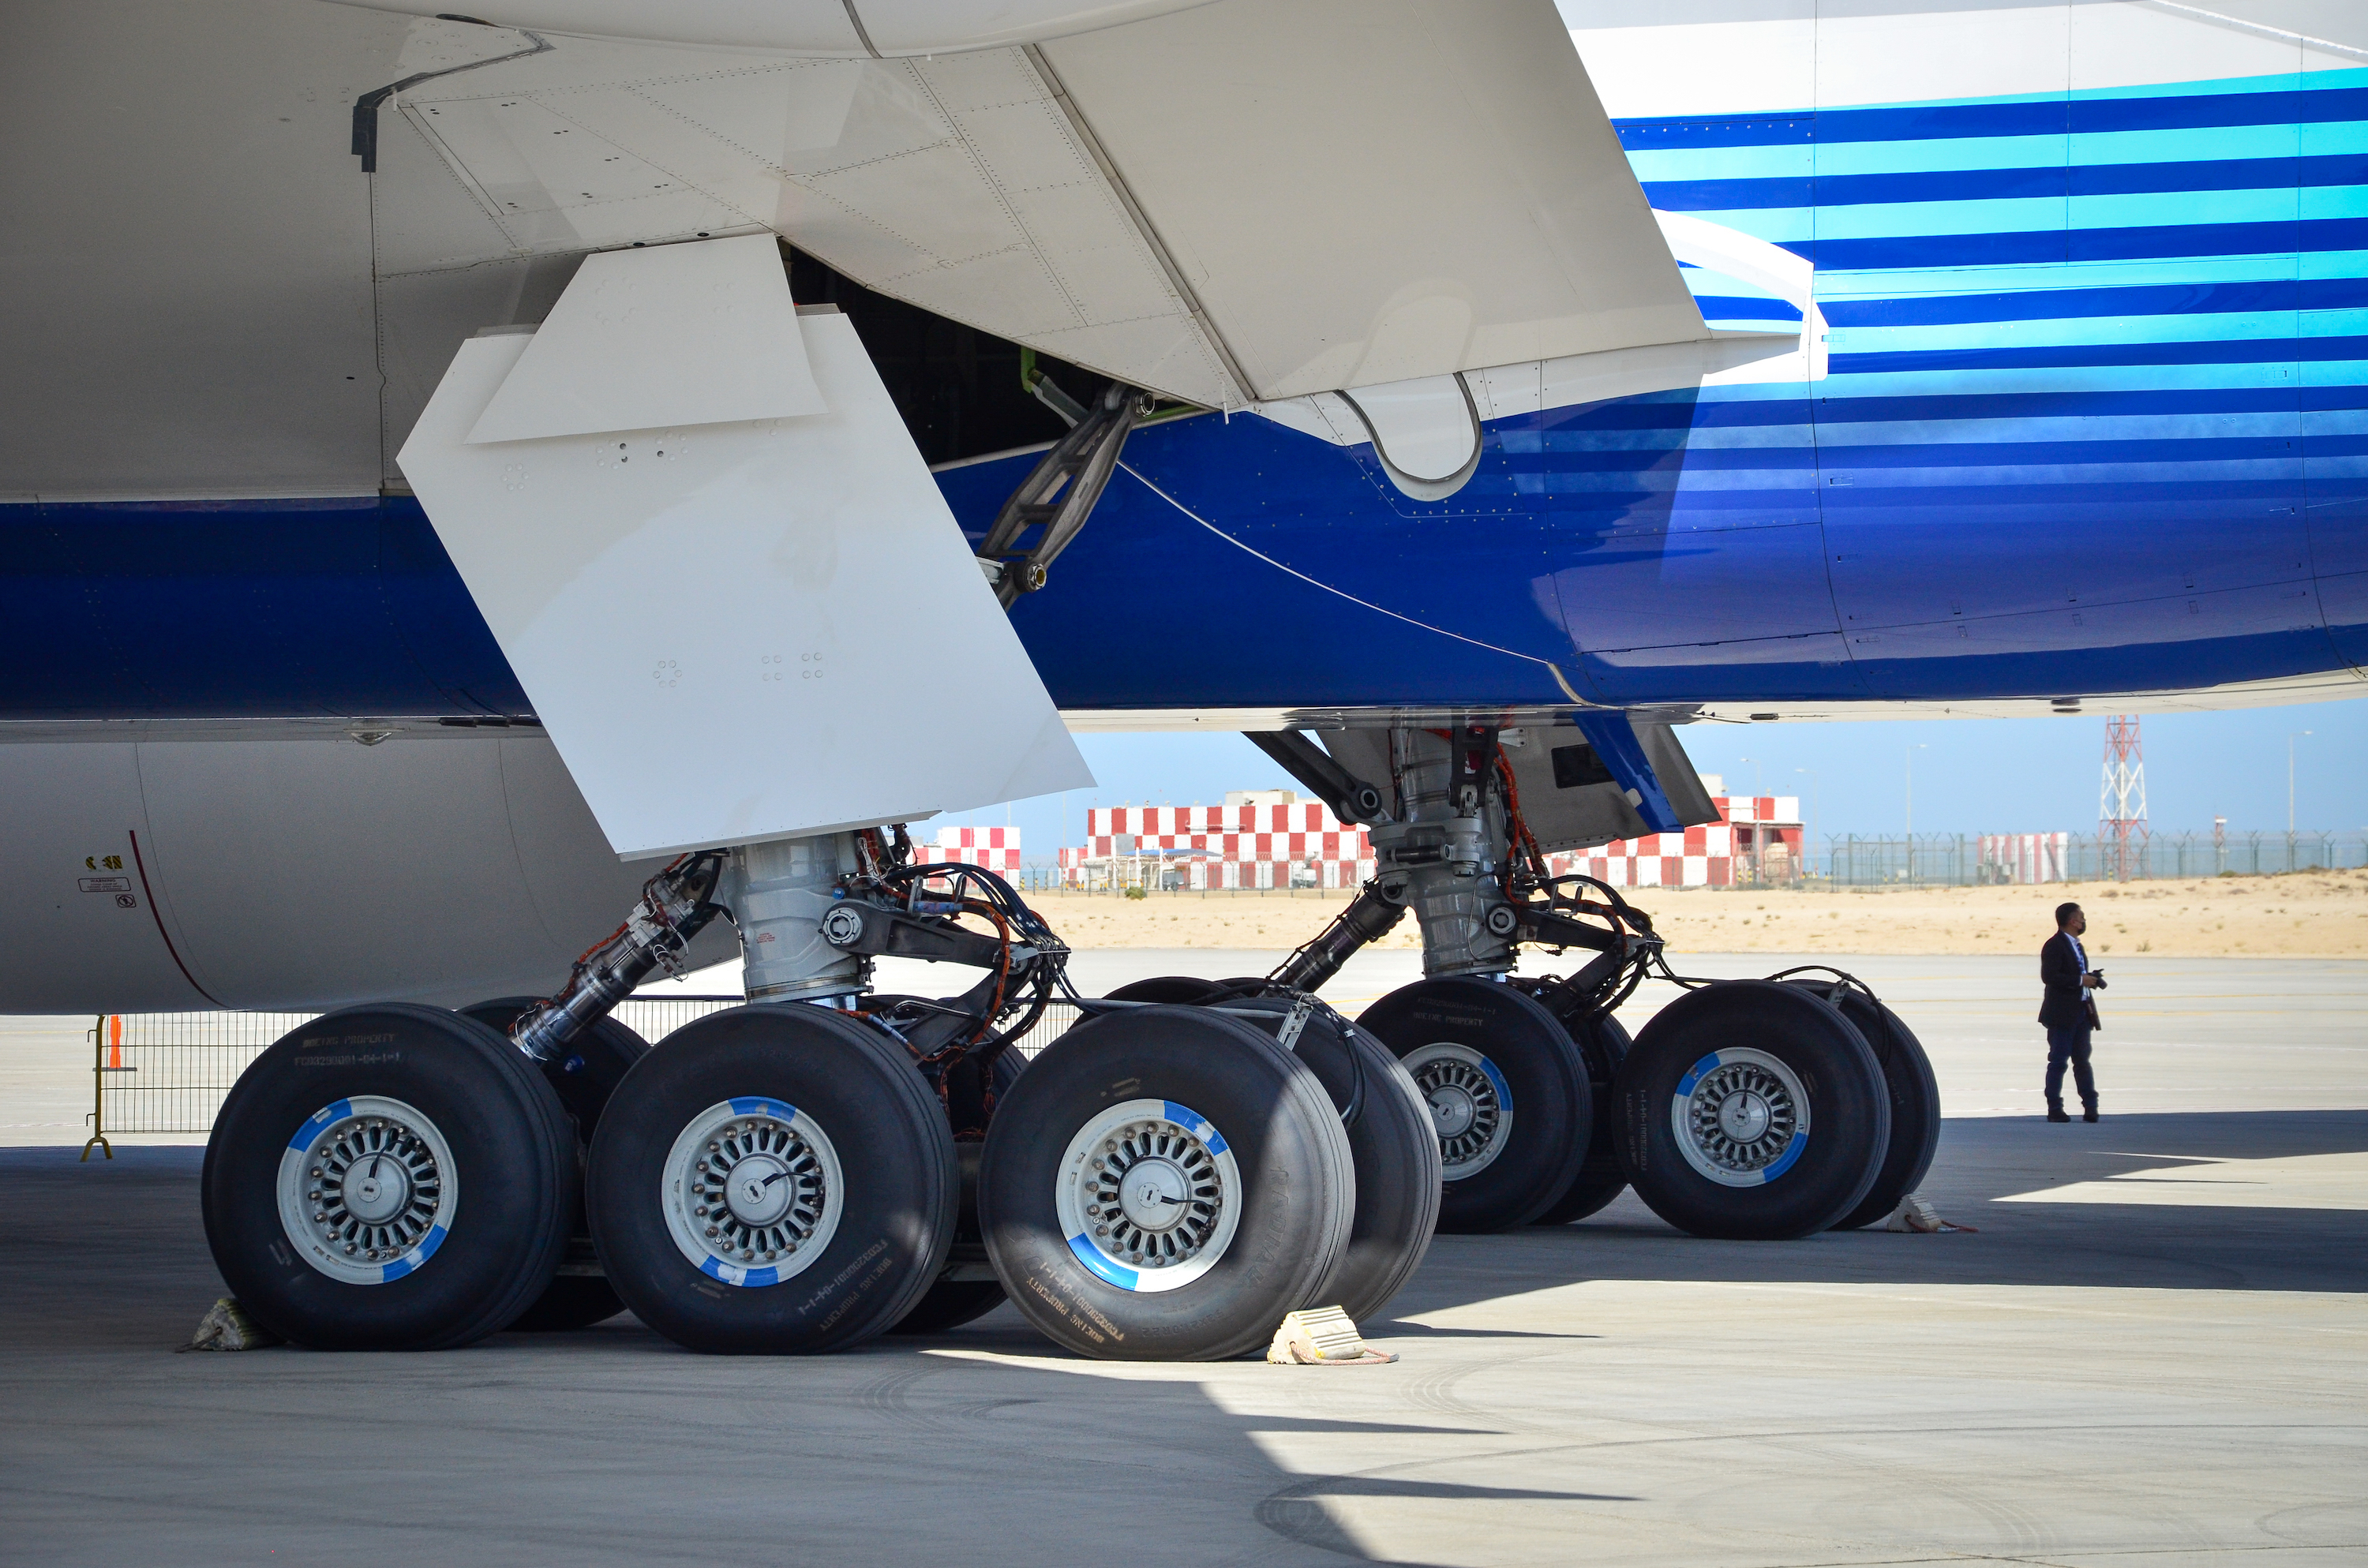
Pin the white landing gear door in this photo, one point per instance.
(740, 630)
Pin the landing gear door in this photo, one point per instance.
(734, 628)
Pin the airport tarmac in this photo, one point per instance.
(2152, 1351)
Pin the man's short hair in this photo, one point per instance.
(2064, 914)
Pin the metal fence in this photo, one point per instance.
(1953, 859)
(170, 1072)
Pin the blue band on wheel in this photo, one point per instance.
(1124, 1279)
(1694, 1076)
(1504, 1090)
(414, 1257)
(309, 1131)
(733, 1274)
(1193, 1121)
(1785, 1161)
(756, 1104)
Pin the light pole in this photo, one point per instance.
(1912, 749)
(1812, 815)
(1759, 833)
(2291, 738)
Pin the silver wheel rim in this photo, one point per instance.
(752, 1191)
(367, 1189)
(1741, 1117)
(1149, 1195)
(1471, 1106)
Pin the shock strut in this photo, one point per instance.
(1370, 916)
(673, 910)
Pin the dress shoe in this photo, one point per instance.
(2055, 1113)
(2088, 1113)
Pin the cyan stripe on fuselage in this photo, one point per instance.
(2065, 321)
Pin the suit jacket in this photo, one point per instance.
(2059, 973)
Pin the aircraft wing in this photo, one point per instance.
(1228, 203)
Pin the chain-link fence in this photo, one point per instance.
(170, 1072)
(1957, 859)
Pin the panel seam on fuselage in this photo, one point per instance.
(1185, 293)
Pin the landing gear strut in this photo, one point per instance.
(823, 1164)
(1805, 1105)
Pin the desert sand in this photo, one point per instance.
(2303, 914)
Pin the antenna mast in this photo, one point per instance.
(2121, 800)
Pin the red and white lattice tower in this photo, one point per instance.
(2120, 800)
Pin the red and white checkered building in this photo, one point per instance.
(2024, 858)
(1265, 838)
(995, 848)
(1756, 839)
(1262, 841)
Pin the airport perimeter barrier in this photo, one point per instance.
(170, 1072)
(1956, 860)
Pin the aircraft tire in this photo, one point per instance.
(1915, 1105)
(1603, 1044)
(418, 1138)
(1166, 990)
(1391, 1146)
(1508, 1092)
(597, 1060)
(950, 1303)
(1752, 1111)
(1225, 1129)
(773, 1179)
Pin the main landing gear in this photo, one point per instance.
(824, 1164)
(1746, 1109)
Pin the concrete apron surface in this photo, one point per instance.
(2177, 1379)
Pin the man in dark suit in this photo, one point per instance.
(2069, 1011)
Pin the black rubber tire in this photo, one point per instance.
(1915, 1102)
(1298, 1183)
(595, 1062)
(1849, 1123)
(1545, 1087)
(1166, 990)
(514, 1158)
(1603, 1044)
(950, 1303)
(1391, 1146)
(897, 1155)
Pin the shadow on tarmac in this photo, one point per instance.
(612, 1444)
(2139, 1245)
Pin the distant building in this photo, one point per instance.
(2023, 857)
(995, 848)
(1755, 842)
(1258, 839)
(1270, 838)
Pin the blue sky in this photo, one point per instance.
(1971, 775)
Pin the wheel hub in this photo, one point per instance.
(752, 1191)
(1744, 1116)
(1471, 1104)
(757, 1194)
(1149, 1195)
(367, 1189)
(1741, 1117)
(375, 1190)
(1453, 1110)
(1156, 1194)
